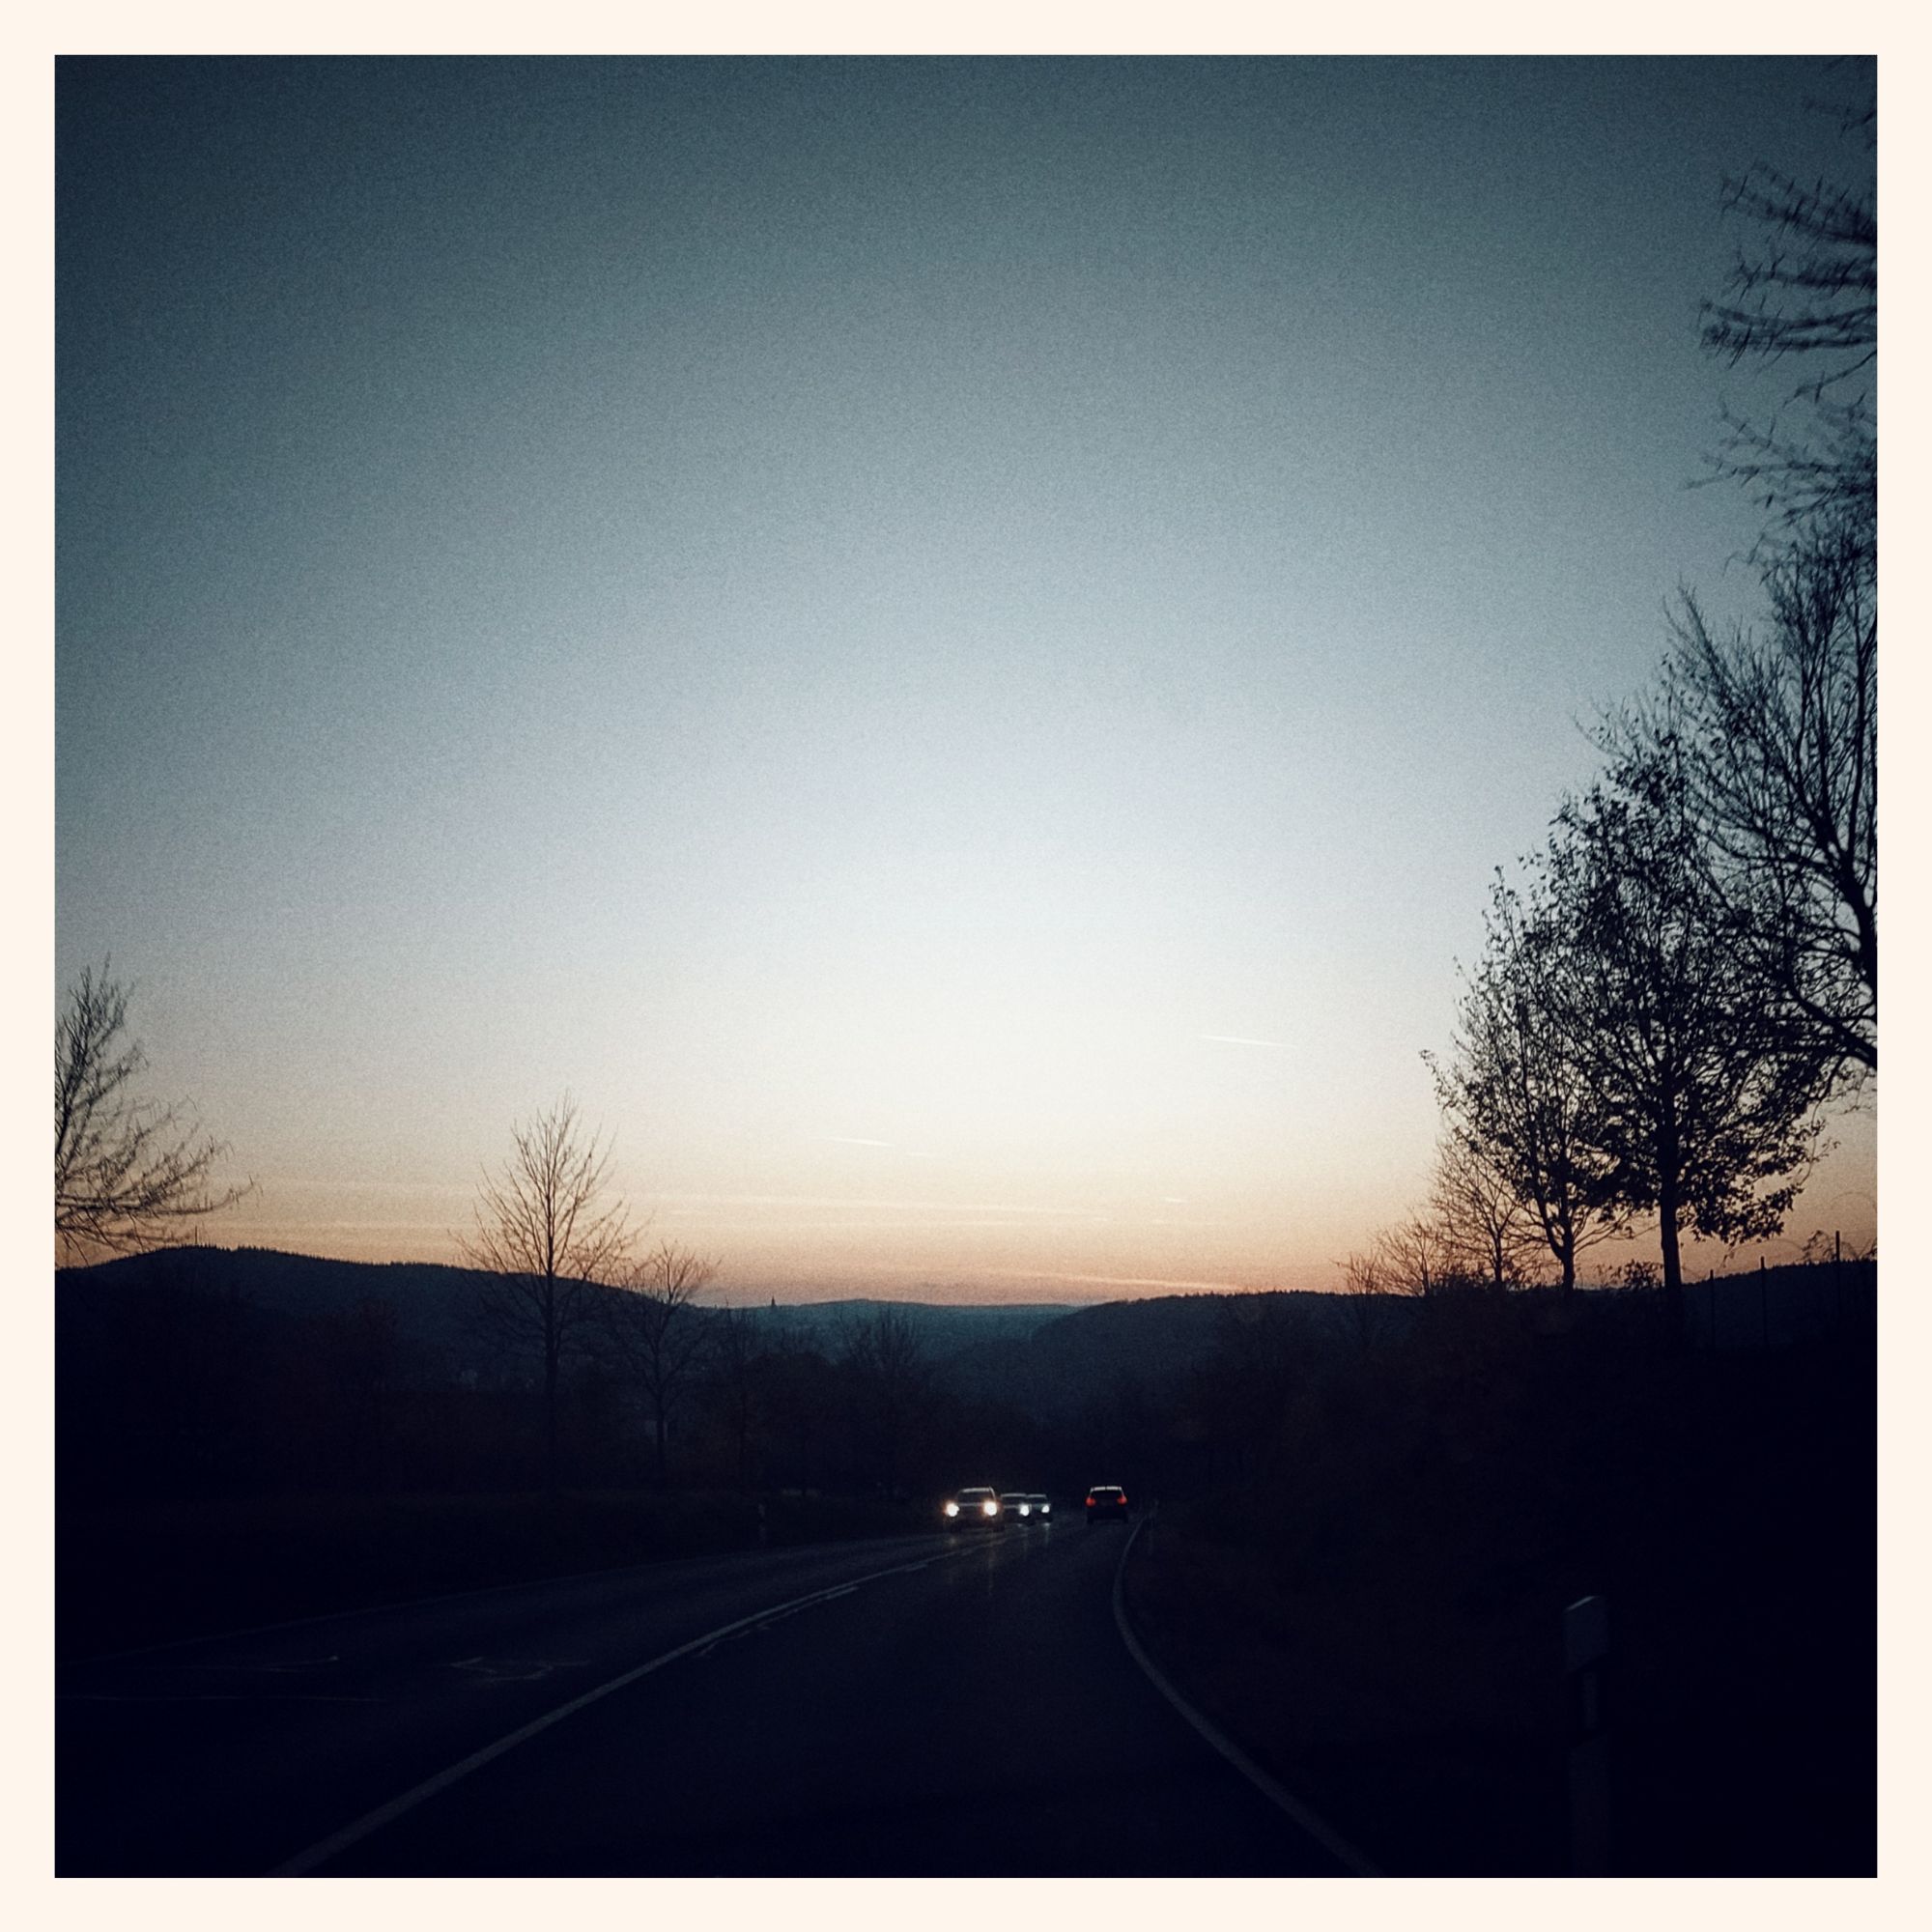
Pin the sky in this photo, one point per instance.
(951, 647)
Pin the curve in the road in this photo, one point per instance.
(1318, 1829)
(322, 1850)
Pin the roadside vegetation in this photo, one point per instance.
(1361, 1571)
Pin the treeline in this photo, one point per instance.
(187, 1373)
(176, 1378)
(1678, 984)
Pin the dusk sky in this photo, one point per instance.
(950, 645)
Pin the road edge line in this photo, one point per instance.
(94, 1656)
(1284, 1801)
(305, 1862)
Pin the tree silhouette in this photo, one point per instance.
(545, 1235)
(1513, 1092)
(1416, 1255)
(1486, 1231)
(1701, 1112)
(128, 1173)
(1777, 732)
(649, 1325)
(890, 1380)
(1806, 288)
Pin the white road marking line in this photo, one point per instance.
(627, 1570)
(323, 1849)
(492, 1670)
(1324, 1834)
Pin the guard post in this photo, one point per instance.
(1586, 1654)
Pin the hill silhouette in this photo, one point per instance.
(269, 1293)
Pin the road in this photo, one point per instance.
(919, 1706)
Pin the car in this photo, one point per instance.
(1105, 1502)
(1034, 1507)
(974, 1509)
(1025, 1505)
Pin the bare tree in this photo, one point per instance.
(1416, 1256)
(1806, 289)
(649, 1325)
(545, 1234)
(1369, 1287)
(1486, 1233)
(1778, 735)
(128, 1174)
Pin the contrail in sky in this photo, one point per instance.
(1235, 1040)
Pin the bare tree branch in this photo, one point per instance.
(545, 1234)
(1807, 290)
(130, 1174)
(1777, 734)
(1488, 1234)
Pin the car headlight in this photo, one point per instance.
(952, 1509)
(991, 1509)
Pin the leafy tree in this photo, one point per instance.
(1700, 1112)
(545, 1234)
(1513, 1092)
(130, 1174)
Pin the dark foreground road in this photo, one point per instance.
(915, 1707)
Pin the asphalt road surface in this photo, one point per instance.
(920, 1706)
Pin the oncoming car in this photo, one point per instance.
(1033, 1507)
(974, 1509)
(1105, 1502)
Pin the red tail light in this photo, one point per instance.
(1123, 1499)
(1090, 1502)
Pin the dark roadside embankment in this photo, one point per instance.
(153, 1573)
(1374, 1611)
